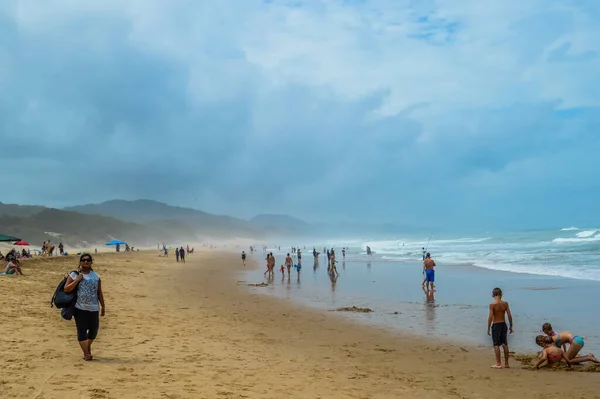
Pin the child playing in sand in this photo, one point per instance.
(575, 343)
(499, 330)
(551, 353)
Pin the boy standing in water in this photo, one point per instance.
(499, 330)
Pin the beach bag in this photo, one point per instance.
(62, 299)
(68, 312)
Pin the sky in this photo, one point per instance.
(470, 114)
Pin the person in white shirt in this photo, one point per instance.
(89, 305)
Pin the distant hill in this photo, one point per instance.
(144, 222)
(38, 224)
(145, 211)
(19, 210)
(77, 229)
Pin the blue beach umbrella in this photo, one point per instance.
(115, 242)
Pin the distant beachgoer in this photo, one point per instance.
(344, 253)
(333, 268)
(497, 323)
(177, 254)
(182, 254)
(575, 343)
(89, 305)
(551, 354)
(299, 253)
(272, 263)
(244, 258)
(61, 248)
(424, 252)
(282, 270)
(288, 263)
(428, 269)
(268, 263)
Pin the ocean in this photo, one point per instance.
(569, 252)
(546, 275)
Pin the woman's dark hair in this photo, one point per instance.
(547, 327)
(496, 292)
(85, 255)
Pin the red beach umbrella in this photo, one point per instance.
(23, 243)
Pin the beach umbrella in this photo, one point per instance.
(115, 242)
(22, 243)
(4, 238)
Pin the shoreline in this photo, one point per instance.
(192, 330)
(458, 310)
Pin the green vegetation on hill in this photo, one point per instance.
(73, 228)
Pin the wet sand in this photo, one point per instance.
(194, 330)
(458, 309)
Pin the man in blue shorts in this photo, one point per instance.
(428, 265)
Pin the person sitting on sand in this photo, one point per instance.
(13, 267)
(561, 339)
(551, 354)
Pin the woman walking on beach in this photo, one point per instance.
(89, 305)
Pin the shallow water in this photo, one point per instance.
(458, 310)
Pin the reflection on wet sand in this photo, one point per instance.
(333, 279)
(430, 308)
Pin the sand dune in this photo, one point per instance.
(195, 331)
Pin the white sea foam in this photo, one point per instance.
(580, 274)
(577, 240)
(586, 233)
(573, 254)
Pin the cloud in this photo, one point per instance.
(471, 114)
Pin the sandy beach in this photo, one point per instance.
(196, 330)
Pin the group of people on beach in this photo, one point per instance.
(554, 343)
(288, 264)
(180, 253)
